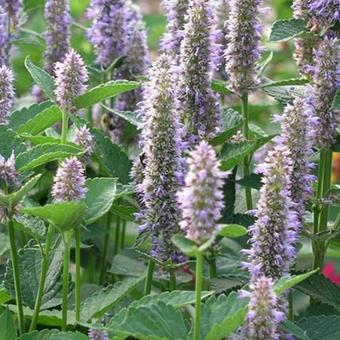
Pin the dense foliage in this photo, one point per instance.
(173, 189)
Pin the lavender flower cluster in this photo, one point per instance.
(4, 37)
(7, 93)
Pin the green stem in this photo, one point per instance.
(105, 249)
(172, 279)
(198, 289)
(43, 274)
(212, 268)
(148, 281)
(290, 306)
(78, 276)
(117, 234)
(246, 163)
(122, 241)
(65, 283)
(15, 264)
(64, 130)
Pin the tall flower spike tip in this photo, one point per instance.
(4, 37)
(7, 170)
(198, 105)
(243, 50)
(69, 182)
(176, 12)
(298, 134)
(201, 199)
(70, 78)
(320, 94)
(14, 8)
(96, 334)
(161, 148)
(7, 94)
(108, 31)
(274, 233)
(263, 318)
(84, 139)
(57, 34)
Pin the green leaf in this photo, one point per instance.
(32, 226)
(7, 326)
(263, 64)
(234, 154)
(155, 322)
(321, 327)
(232, 230)
(65, 216)
(287, 29)
(104, 91)
(53, 335)
(222, 315)
(41, 78)
(38, 140)
(252, 181)
(284, 94)
(21, 117)
(99, 303)
(220, 87)
(126, 212)
(129, 116)
(4, 244)
(100, 195)
(332, 197)
(336, 101)
(30, 267)
(32, 4)
(285, 82)
(9, 143)
(321, 289)
(127, 266)
(43, 120)
(291, 328)
(14, 198)
(45, 153)
(185, 245)
(231, 123)
(286, 283)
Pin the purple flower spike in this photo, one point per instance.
(7, 170)
(7, 93)
(96, 334)
(108, 31)
(298, 134)
(263, 318)
(201, 199)
(71, 76)
(161, 161)
(320, 94)
(57, 34)
(85, 140)
(324, 12)
(176, 11)
(4, 37)
(274, 233)
(197, 104)
(69, 182)
(243, 50)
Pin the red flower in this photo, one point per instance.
(329, 272)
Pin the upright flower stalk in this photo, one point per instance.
(57, 34)
(197, 103)
(244, 32)
(201, 203)
(7, 93)
(274, 233)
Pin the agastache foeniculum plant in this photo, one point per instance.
(168, 170)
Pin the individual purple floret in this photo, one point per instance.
(4, 37)
(243, 50)
(7, 94)
(263, 318)
(70, 78)
(108, 31)
(161, 161)
(298, 134)
(96, 334)
(320, 94)
(201, 199)
(57, 34)
(69, 181)
(197, 104)
(324, 13)
(176, 12)
(274, 233)
(84, 139)
(14, 8)
(7, 170)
